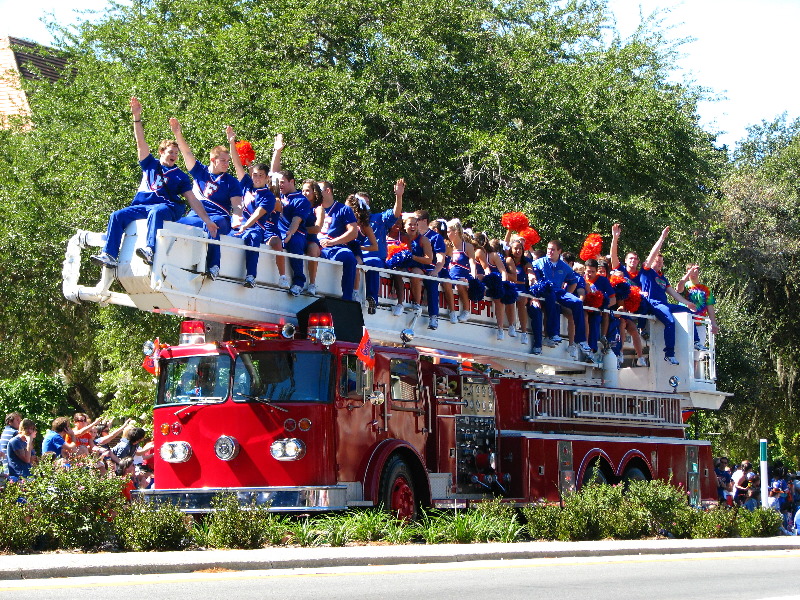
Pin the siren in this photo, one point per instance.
(320, 328)
(193, 332)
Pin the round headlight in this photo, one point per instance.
(295, 449)
(276, 450)
(327, 337)
(226, 448)
(175, 452)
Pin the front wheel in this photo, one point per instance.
(397, 489)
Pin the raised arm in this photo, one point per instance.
(399, 190)
(86, 428)
(186, 151)
(616, 230)
(656, 249)
(142, 148)
(277, 152)
(237, 160)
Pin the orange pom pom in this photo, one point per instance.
(633, 301)
(593, 298)
(392, 249)
(616, 279)
(592, 247)
(514, 221)
(531, 237)
(246, 152)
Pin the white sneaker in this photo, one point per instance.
(295, 290)
(572, 350)
(557, 339)
(523, 339)
(585, 348)
(501, 335)
(250, 281)
(463, 316)
(397, 310)
(512, 331)
(699, 346)
(536, 350)
(213, 272)
(453, 317)
(416, 308)
(433, 322)
(641, 361)
(357, 296)
(619, 361)
(310, 290)
(549, 342)
(283, 282)
(672, 360)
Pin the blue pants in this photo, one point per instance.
(155, 214)
(432, 291)
(345, 256)
(595, 321)
(614, 334)
(554, 298)
(535, 316)
(296, 245)
(663, 312)
(253, 238)
(372, 279)
(223, 224)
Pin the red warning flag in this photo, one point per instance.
(364, 352)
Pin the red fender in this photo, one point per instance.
(372, 475)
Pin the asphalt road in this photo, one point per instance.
(764, 575)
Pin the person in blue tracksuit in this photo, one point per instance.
(258, 204)
(218, 190)
(438, 268)
(381, 224)
(161, 196)
(563, 281)
(656, 287)
(338, 228)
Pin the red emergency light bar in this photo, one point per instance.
(320, 320)
(320, 328)
(193, 332)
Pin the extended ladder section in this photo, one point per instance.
(176, 284)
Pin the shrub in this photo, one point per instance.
(305, 532)
(542, 521)
(232, 525)
(762, 522)
(75, 505)
(146, 526)
(719, 522)
(665, 505)
(21, 520)
(600, 511)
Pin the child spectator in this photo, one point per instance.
(9, 431)
(258, 204)
(21, 455)
(158, 198)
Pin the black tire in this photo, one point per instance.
(634, 474)
(594, 474)
(396, 492)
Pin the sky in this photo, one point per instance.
(743, 51)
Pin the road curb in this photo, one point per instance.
(43, 566)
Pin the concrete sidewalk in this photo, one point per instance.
(36, 566)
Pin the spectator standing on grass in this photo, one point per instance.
(9, 431)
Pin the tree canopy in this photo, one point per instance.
(481, 105)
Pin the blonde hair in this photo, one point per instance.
(217, 150)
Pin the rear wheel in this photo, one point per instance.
(634, 474)
(397, 489)
(594, 474)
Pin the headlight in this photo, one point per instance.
(226, 448)
(175, 452)
(288, 449)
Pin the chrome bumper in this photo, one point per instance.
(277, 499)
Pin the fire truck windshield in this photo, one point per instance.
(195, 379)
(281, 376)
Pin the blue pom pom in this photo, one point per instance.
(400, 260)
(541, 288)
(476, 290)
(622, 290)
(510, 293)
(493, 284)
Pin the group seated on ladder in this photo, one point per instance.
(528, 290)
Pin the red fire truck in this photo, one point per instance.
(273, 397)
